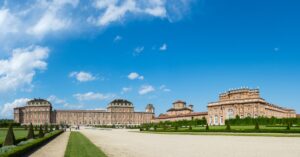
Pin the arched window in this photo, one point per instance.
(230, 114)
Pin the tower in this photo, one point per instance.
(150, 108)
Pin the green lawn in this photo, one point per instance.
(19, 133)
(79, 146)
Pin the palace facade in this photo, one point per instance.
(180, 111)
(244, 102)
(119, 112)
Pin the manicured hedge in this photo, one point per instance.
(4, 123)
(26, 148)
(17, 140)
(263, 121)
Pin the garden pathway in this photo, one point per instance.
(55, 148)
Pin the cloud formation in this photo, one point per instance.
(82, 76)
(93, 96)
(19, 70)
(145, 89)
(163, 47)
(7, 109)
(34, 20)
(134, 76)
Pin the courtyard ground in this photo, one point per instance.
(55, 148)
(125, 143)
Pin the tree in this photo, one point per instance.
(256, 125)
(41, 133)
(30, 132)
(10, 137)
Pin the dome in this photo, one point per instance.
(120, 103)
(38, 102)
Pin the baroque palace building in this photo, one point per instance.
(242, 102)
(180, 111)
(119, 112)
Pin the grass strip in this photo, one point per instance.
(79, 146)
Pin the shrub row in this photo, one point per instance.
(30, 146)
(263, 121)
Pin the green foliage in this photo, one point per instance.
(262, 121)
(190, 128)
(35, 128)
(10, 137)
(256, 125)
(30, 132)
(25, 127)
(206, 127)
(46, 128)
(288, 127)
(51, 128)
(228, 128)
(56, 127)
(29, 146)
(4, 123)
(41, 133)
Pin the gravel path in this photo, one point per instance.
(122, 143)
(55, 148)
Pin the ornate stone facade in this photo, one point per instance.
(180, 111)
(119, 112)
(244, 102)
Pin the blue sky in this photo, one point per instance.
(83, 54)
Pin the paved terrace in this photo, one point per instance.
(123, 143)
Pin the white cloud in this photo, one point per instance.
(163, 47)
(145, 89)
(7, 110)
(276, 49)
(82, 76)
(29, 22)
(93, 96)
(164, 88)
(18, 70)
(117, 38)
(55, 100)
(138, 50)
(134, 76)
(126, 90)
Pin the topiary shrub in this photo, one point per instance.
(288, 126)
(51, 128)
(41, 133)
(228, 128)
(176, 128)
(207, 127)
(25, 127)
(56, 127)
(46, 128)
(10, 137)
(256, 125)
(30, 132)
(155, 127)
(190, 128)
(36, 128)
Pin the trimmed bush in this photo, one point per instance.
(41, 133)
(46, 128)
(25, 127)
(36, 128)
(30, 146)
(288, 127)
(256, 125)
(190, 128)
(56, 127)
(207, 127)
(51, 128)
(10, 137)
(30, 132)
(228, 128)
